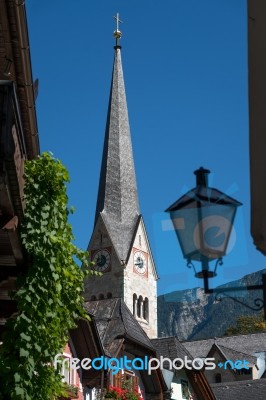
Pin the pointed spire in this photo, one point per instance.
(117, 195)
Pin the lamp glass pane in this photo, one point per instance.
(203, 232)
(184, 222)
(216, 225)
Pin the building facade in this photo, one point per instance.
(257, 118)
(18, 143)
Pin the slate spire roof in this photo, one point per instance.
(117, 194)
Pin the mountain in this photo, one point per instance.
(192, 315)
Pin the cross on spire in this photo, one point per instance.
(117, 32)
(117, 21)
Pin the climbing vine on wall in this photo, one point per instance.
(50, 297)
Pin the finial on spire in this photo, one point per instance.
(117, 32)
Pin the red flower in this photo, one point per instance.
(124, 394)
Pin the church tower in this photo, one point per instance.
(119, 244)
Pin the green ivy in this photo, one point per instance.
(50, 297)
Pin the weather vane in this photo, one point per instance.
(117, 32)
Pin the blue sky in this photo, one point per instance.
(185, 69)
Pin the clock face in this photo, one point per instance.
(102, 260)
(140, 263)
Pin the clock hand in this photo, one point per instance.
(139, 263)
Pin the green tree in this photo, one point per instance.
(247, 324)
(50, 297)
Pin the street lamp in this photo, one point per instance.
(203, 220)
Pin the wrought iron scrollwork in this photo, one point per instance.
(191, 265)
(258, 303)
(218, 262)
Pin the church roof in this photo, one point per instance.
(117, 194)
(114, 322)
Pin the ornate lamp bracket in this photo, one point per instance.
(221, 295)
(191, 265)
(218, 262)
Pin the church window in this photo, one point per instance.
(146, 309)
(93, 298)
(109, 295)
(135, 300)
(101, 296)
(140, 307)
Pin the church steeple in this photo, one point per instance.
(119, 246)
(117, 195)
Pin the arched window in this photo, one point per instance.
(101, 296)
(135, 299)
(93, 298)
(218, 378)
(139, 307)
(146, 309)
(109, 295)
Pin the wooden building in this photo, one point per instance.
(18, 142)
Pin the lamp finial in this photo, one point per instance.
(202, 176)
